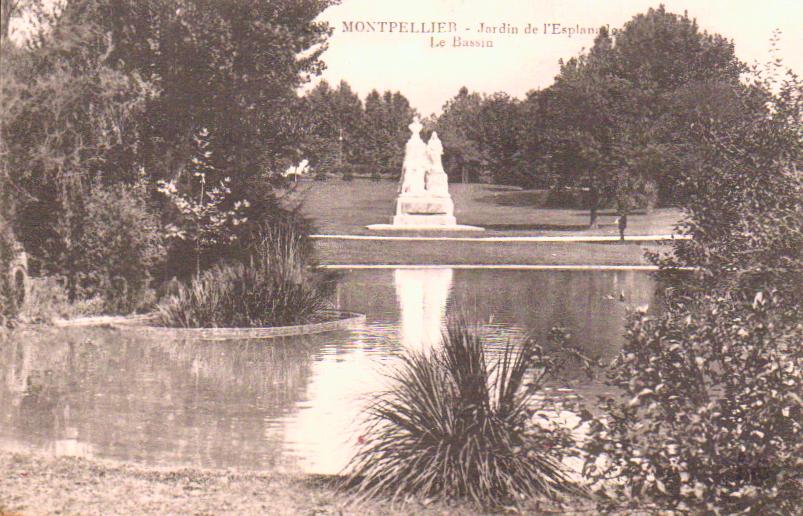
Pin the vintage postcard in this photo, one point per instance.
(421, 257)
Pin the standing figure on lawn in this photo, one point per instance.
(437, 182)
(415, 164)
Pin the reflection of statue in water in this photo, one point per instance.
(437, 182)
(415, 163)
(422, 295)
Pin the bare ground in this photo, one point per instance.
(32, 484)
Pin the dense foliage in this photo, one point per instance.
(480, 137)
(610, 124)
(121, 245)
(710, 417)
(105, 98)
(68, 119)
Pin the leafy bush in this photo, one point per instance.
(205, 214)
(457, 426)
(49, 300)
(275, 288)
(258, 209)
(121, 244)
(709, 419)
(267, 215)
(710, 416)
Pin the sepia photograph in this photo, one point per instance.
(431, 257)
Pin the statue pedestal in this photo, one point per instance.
(424, 205)
(424, 213)
(424, 210)
(423, 220)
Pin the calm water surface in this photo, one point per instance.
(291, 405)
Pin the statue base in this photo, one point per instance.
(407, 219)
(423, 213)
(424, 205)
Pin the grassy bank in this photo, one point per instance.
(340, 207)
(34, 485)
(371, 252)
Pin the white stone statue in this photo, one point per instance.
(436, 180)
(423, 202)
(415, 163)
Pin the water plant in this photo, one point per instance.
(275, 287)
(458, 425)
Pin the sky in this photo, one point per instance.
(429, 75)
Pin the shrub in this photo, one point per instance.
(275, 288)
(121, 244)
(457, 426)
(709, 416)
(49, 300)
(205, 213)
(260, 210)
(266, 215)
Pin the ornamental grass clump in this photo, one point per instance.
(274, 288)
(457, 425)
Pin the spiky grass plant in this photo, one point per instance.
(275, 288)
(456, 425)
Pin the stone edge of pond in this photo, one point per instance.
(145, 323)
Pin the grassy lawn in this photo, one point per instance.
(478, 253)
(341, 207)
(32, 485)
(345, 208)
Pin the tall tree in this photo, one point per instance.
(112, 87)
(375, 134)
(457, 126)
(499, 118)
(230, 66)
(399, 115)
(70, 117)
(613, 111)
(480, 136)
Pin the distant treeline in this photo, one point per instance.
(614, 124)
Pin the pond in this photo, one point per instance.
(284, 405)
